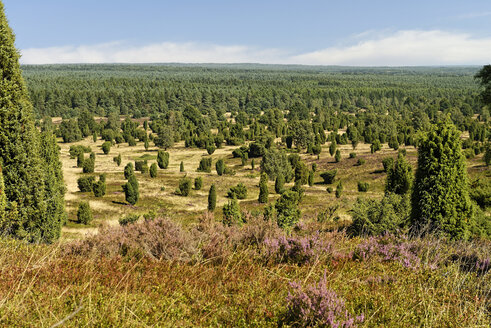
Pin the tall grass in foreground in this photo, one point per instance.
(158, 273)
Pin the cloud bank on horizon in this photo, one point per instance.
(401, 48)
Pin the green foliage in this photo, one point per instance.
(311, 178)
(220, 166)
(480, 192)
(165, 137)
(181, 167)
(141, 166)
(99, 187)
(337, 156)
(263, 189)
(239, 191)
(85, 184)
(75, 150)
(339, 189)
(84, 213)
(106, 147)
(128, 170)
(198, 183)
(153, 170)
(388, 164)
(378, 217)
(314, 167)
(440, 198)
(399, 176)
(163, 159)
(279, 184)
(352, 155)
(212, 198)
(117, 159)
(231, 213)
(205, 165)
(286, 207)
(360, 161)
(363, 186)
(88, 165)
(487, 154)
(329, 176)
(332, 148)
(484, 77)
(274, 163)
(375, 146)
(129, 219)
(131, 190)
(185, 185)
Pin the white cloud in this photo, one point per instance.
(167, 52)
(402, 48)
(406, 48)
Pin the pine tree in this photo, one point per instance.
(263, 188)
(220, 166)
(128, 170)
(440, 198)
(181, 167)
(337, 157)
(20, 152)
(99, 188)
(198, 183)
(212, 198)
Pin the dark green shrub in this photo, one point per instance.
(279, 184)
(339, 189)
(388, 164)
(263, 189)
(129, 219)
(220, 166)
(198, 183)
(377, 217)
(329, 176)
(314, 167)
(141, 166)
(239, 191)
(360, 161)
(153, 170)
(80, 159)
(185, 186)
(128, 170)
(131, 141)
(337, 157)
(131, 190)
(181, 167)
(84, 213)
(85, 184)
(212, 198)
(311, 178)
(106, 147)
(88, 165)
(210, 149)
(117, 159)
(204, 165)
(163, 159)
(287, 212)
(99, 187)
(399, 176)
(352, 155)
(231, 213)
(276, 162)
(363, 186)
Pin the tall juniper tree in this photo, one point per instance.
(20, 152)
(440, 198)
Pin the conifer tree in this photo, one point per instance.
(131, 191)
(54, 188)
(84, 213)
(212, 198)
(440, 198)
(263, 188)
(279, 184)
(3, 201)
(153, 170)
(163, 159)
(20, 152)
(128, 170)
(399, 176)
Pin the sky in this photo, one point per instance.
(308, 32)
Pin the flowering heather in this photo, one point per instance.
(296, 249)
(316, 305)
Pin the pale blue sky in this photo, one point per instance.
(350, 32)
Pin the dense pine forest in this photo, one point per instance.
(243, 195)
